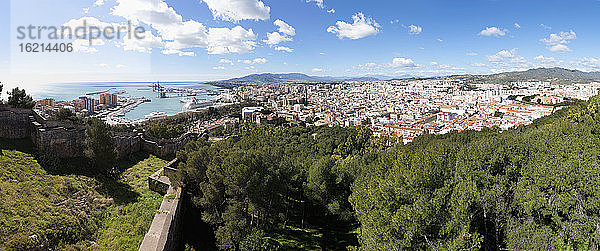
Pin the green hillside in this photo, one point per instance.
(37, 208)
(74, 211)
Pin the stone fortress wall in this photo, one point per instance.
(68, 140)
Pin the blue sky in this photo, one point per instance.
(202, 40)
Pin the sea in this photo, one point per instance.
(71, 91)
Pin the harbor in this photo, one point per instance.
(136, 102)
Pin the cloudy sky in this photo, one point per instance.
(200, 40)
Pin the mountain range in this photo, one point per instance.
(295, 78)
(540, 74)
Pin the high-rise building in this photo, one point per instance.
(49, 102)
(89, 104)
(109, 100)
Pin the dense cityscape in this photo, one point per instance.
(402, 109)
(406, 109)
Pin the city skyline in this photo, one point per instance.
(212, 40)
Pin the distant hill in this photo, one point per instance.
(540, 74)
(291, 78)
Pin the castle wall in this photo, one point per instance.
(127, 143)
(65, 142)
(68, 140)
(15, 123)
(165, 228)
(166, 147)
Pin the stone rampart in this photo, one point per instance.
(68, 140)
(166, 147)
(163, 232)
(15, 123)
(127, 142)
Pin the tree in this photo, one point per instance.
(17, 98)
(100, 146)
(65, 115)
(165, 131)
(1, 86)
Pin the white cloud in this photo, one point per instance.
(235, 40)
(558, 42)
(439, 40)
(317, 70)
(501, 55)
(478, 65)
(559, 48)
(153, 12)
(178, 52)
(561, 38)
(285, 28)
(368, 66)
(283, 48)
(546, 27)
(260, 61)
(493, 31)
(360, 28)
(86, 10)
(274, 38)
(181, 35)
(254, 61)
(445, 66)
(403, 63)
(219, 68)
(472, 54)
(517, 25)
(318, 2)
(144, 45)
(332, 11)
(226, 61)
(178, 35)
(120, 66)
(236, 10)
(89, 22)
(547, 61)
(103, 65)
(587, 64)
(509, 60)
(285, 34)
(413, 29)
(83, 45)
(99, 3)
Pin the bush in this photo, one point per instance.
(66, 115)
(164, 131)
